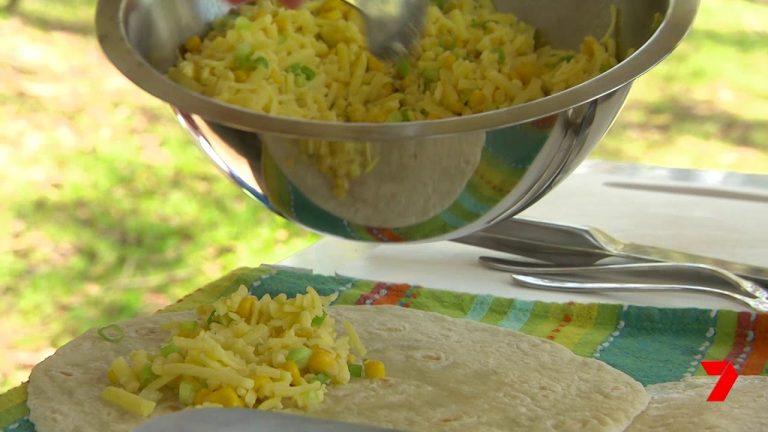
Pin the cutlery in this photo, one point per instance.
(572, 245)
(657, 271)
(392, 27)
(758, 304)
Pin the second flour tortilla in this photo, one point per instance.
(682, 406)
(411, 182)
(443, 374)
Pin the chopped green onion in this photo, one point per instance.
(243, 54)
(355, 370)
(187, 391)
(294, 69)
(169, 349)
(187, 326)
(399, 116)
(441, 4)
(146, 375)
(394, 117)
(262, 61)
(311, 398)
(431, 76)
(500, 53)
(567, 58)
(248, 63)
(402, 68)
(300, 356)
(112, 333)
(243, 50)
(318, 320)
(322, 377)
(303, 73)
(211, 319)
(242, 23)
(308, 73)
(220, 23)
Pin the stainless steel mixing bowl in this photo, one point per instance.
(445, 178)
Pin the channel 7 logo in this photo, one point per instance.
(728, 376)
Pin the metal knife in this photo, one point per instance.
(247, 420)
(573, 245)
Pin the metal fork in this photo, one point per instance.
(666, 271)
(391, 26)
(758, 304)
(566, 245)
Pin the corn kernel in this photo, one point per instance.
(260, 381)
(374, 369)
(241, 76)
(201, 396)
(226, 397)
(113, 377)
(375, 64)
(456, 107)
(477, 100)
(245, 307)
(321, 361)
(334, 15)
(193, 43)
(447, 60)
(526, 71)
(204, 311)
(332, 5)
(294, 371)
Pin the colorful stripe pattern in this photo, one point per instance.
(652, 345)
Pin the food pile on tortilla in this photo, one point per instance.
(421, 371)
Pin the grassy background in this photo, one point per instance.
(108, 209)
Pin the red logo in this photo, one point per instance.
(728, 377)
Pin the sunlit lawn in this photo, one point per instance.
(706, 106)
(108, 210)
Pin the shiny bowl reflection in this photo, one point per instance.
(439, 179)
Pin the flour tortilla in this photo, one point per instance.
(411, 182)
(443, 374)
(682, 407)
(64, 391)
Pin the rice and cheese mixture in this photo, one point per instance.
(267, 353)
(313, 63)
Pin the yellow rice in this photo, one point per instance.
(313, 63)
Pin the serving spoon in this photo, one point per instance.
(392, 27)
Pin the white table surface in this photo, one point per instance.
(723, 215)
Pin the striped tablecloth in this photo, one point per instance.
(652, 345)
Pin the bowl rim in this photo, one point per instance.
(114, 43)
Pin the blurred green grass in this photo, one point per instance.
(109, 211)
(706, 105)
